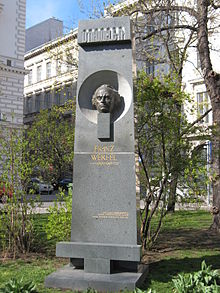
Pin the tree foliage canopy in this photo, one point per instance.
(51, 141)
(165, 148)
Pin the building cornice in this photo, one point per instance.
(50, 45)
(13, 69)
(195, 81)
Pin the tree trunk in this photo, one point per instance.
(212, 81)
(216, 169)
(172, 194)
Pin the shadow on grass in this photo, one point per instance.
(165, 270)
(188, 239)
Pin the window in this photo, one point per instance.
(37, 102)
(8, 62)
(30, 75)
(203, 104)
(150, 68)
(67, 93)
(57, 97)
(47, 100)
(48, 70)
(29, 104)
(39, 72)
(58, 67)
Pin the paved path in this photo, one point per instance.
(47, 200)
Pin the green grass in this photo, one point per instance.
(181, 261)
(35, 269)
(183, 244)
(187, 219)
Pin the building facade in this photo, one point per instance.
(12, 48)
(51, 74)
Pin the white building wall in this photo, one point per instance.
(192, 75)
(62, 79)
(12, 47)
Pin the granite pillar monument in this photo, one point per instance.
(104, 222)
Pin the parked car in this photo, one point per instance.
(38, 186)
(5, 191)
(64, 183)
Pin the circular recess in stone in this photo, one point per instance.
(95, 80)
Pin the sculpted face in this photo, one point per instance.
(104, 99)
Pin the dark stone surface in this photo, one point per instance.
(97, 265)
(98, 250)
(70, 278)
(104, 212)
(104, 126)
(104, 201)
(104, 30)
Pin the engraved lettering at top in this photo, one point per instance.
(103, 34)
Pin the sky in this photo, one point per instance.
(66, 10)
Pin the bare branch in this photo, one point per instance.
(168, 28)
(196, 121)
(185, 50)
(173, 8)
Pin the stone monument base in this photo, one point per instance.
(71, 278)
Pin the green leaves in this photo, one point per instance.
(18, 286)
(58, 226)
(204, 280)
(172, 167)
(51, 141)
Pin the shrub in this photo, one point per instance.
(58, 226)
(18, 286)
(204, 280)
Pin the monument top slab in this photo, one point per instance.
(117, 29)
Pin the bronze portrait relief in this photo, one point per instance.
(106, 99)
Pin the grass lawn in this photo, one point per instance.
(183, 244)
(32, 268)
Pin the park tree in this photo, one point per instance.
(51, 141)
(165, 148)
(165, 31)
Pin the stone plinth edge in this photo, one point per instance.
(99, 250)
(70, 278)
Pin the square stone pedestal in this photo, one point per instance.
(103, 267)
(75, 279)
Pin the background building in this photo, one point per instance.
(43, 33)
(12, 48)
(51, 68)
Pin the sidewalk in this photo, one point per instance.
(42, 209)
(186, 207)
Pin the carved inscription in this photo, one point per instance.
(112, 215)
(104, 156)
(103, 34)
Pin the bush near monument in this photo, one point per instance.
(58, 226)
(49, 142)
